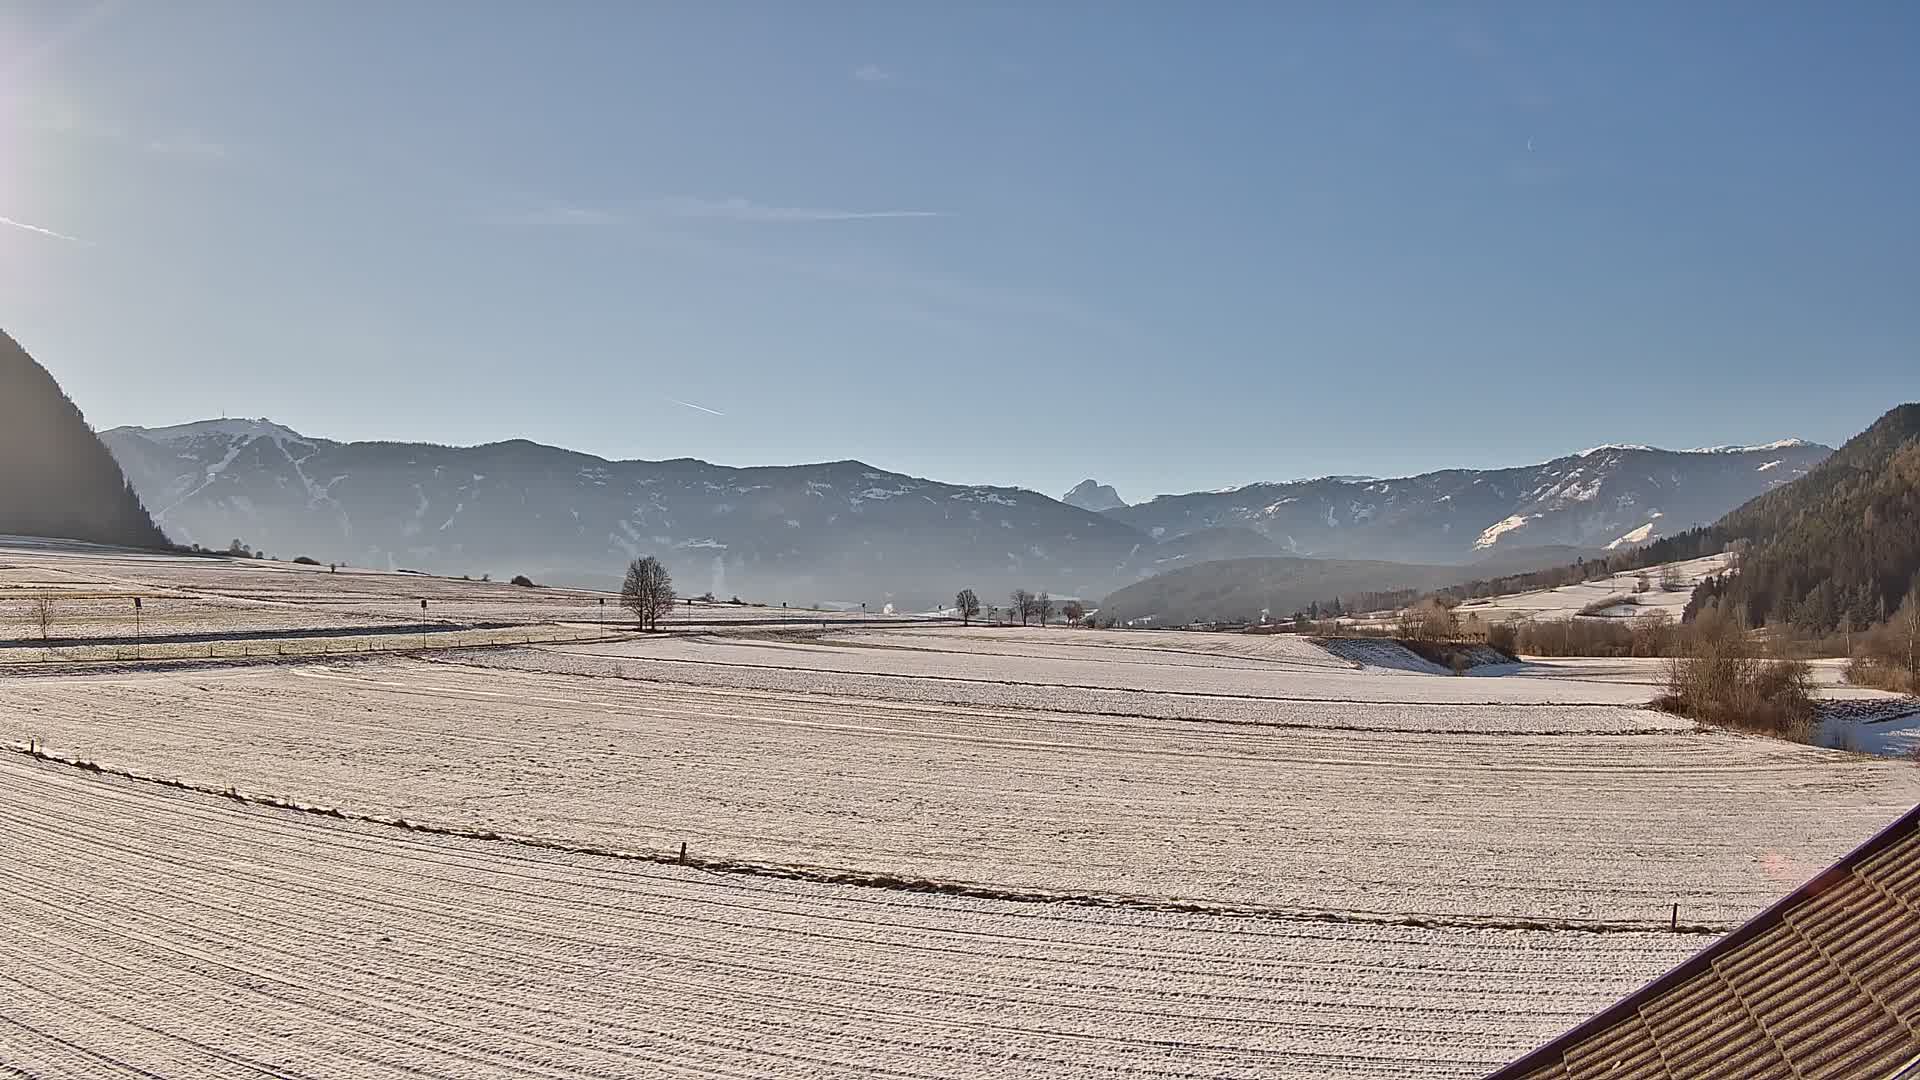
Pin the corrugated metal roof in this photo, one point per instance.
(1824, 984)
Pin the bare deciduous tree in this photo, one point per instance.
(967, 604)
(1905, 626)
(1021, 604)
(1043, 608)
(1428, 620)
(648, 591)
(1074, 611)
(1671, 580)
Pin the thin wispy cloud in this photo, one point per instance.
(872, 73)
(746, 210)
(188, 146)
(702, 408)
(43, 231)
(560, 215)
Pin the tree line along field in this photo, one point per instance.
(914, 852)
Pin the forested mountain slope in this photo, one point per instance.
(56, 479)
(1838, 548)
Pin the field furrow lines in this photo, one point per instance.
(1570, 827)
(260, 911)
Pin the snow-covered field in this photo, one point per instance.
(1139, 662)
(161, 933)
(1568, 600)
(949, 852)
(91, 591)
(1509, 812)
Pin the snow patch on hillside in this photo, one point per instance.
(1777, 444)
(1638, 536)
(1500, 528)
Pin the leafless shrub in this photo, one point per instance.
(1653, 634)
(1504, 637)
(1867, 671)
(1574, 637)
(1891, 653)
(1428, 620)
(1718, 679)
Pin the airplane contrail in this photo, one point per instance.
(691, 405)
(41, 231)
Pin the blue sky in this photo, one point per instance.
(1169, 246)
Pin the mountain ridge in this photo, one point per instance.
(827, 531)
(1613, 496)
(818, 531)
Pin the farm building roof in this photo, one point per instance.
(1825, 983)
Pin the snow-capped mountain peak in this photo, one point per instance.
(1778, 444)
(1604, 447)
(238, 428)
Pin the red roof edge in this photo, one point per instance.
(1907, 823)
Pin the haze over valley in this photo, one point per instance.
(850, 532)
